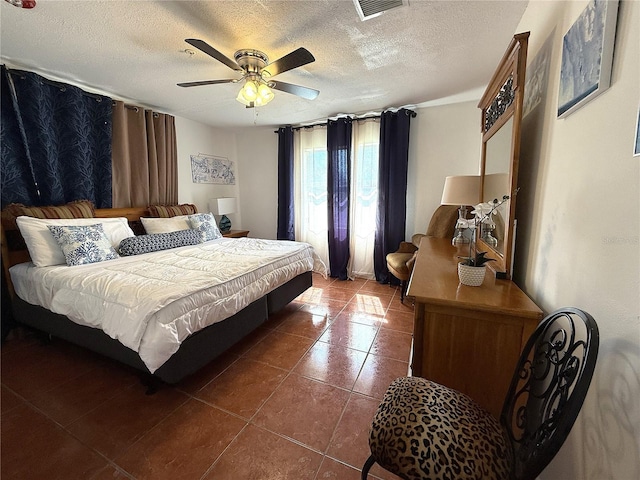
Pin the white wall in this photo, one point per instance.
(444, 140)
(194, 138)
(255, 153)
(258, 165)
(578, 236)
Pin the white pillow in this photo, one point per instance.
(82, 244)
(45, 250)
(165, 225)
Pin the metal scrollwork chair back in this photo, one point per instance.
(424, 430)
(548, 388)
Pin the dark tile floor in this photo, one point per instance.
(292, 401)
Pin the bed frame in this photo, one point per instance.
(196, 351)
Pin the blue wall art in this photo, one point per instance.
(636, 148)
(587, 55)
(211, 169)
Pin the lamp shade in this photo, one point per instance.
(222, 206)
(496, 185)
(461, 190)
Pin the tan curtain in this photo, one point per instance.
(145, 157)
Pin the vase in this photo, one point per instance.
(472, 276)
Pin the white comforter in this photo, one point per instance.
(152, 302)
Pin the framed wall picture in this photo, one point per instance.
(537, 83)
(636, 148)
(587, 56)
(212, 169)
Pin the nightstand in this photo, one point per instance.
(235, 233)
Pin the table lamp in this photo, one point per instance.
(223, 206)
(461, 190)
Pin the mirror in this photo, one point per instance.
(501, 107)
(496, 185)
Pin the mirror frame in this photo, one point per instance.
(502, 100)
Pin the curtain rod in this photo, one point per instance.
(62, 85)
(59, 85)
(136, 108)
(352, 118)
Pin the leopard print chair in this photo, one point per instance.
(423, 430)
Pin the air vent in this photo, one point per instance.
(372, 8)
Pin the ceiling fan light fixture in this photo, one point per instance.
(240, 98)
(248, 93)
(256, 73)
(254, 94)
(265, 93)
(250, 90)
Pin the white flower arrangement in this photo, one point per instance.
(483, 213)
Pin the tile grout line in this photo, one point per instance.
(64, 429)
(213, 464)
(148, 431)
(289, 373)
(192, 396)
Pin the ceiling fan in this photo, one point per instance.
(257, 73)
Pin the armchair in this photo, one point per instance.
(400, 263)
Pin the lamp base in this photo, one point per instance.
(487, 237)
(460, 239)
(225, 224)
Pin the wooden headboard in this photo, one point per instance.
(14, 250)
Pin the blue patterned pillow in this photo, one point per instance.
(206, 225)
(158, 241)
(82, 244)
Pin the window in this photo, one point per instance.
(364, 197)
(310, 171)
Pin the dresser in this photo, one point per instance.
(467, 338)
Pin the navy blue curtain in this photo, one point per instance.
(56, 144)
(18, 183)
(285, 184)
(338, 187)
(392, 186)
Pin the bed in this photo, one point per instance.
(141, 311)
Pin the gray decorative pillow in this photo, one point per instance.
(82, 244)
(158, 241)
(206, 225)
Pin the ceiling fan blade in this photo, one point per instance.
(304, 92)
(295, 59)
(209, 50)
(205, 82)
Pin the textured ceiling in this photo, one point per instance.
(135, 51)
